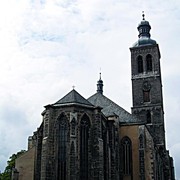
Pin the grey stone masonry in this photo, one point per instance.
(147, 90)
(97, 172)
(72, 142)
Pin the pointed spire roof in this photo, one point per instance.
(73, 97)
(100, 85)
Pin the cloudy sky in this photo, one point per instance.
(47, 46)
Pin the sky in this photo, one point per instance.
(49, 46)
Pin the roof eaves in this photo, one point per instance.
(72, 104)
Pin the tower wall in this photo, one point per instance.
(147, 88)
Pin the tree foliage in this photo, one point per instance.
(6, 175)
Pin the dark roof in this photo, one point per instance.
(73, 97)
(144, 41)
(144, 34)
(110, 108)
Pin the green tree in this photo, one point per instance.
(6, 175)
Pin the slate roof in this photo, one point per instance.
(111, 108)
(73, 97)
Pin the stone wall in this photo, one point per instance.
(25, 165)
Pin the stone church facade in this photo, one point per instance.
(96, 139)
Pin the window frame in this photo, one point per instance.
(62, 138)
(84, 146)
(140, 68)
(149, 66)
(126, 156)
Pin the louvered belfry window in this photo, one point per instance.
(149, 62)
(140, 64)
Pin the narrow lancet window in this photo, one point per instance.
(140, 64)
(72, 162)
(149, 62)
(126, 147)
(148, 117)
(62, 141)
(84, 136)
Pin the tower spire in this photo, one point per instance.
(146, 85)
(100, 85)
(144, 27)
(144, 33)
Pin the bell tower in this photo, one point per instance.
(146, 82)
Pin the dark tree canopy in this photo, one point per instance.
(6, 175)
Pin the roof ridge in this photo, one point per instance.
(73, 97)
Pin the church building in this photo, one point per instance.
(96, 139)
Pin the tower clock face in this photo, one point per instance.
(146, 86)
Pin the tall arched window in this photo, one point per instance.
(140, 64)
(84, 136)
(126, 156)
(62, 131)
(148, 116)
(149, 62)
(72, 162)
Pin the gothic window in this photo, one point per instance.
(73, 127)
(148, 116)
(140, 64)
(72, 162)
(84, 136)
(149, 62)
(62, 140)
(126, 146)
(146, 96)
